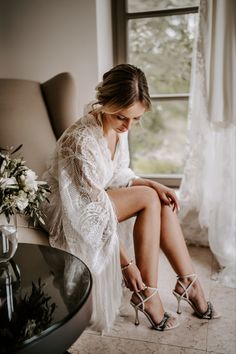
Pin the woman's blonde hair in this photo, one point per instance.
(121, 87)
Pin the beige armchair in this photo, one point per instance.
(35, 114)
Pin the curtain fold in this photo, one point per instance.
(208, 189)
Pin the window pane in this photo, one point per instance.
(152, 5)
(162, 47)
(158, 144)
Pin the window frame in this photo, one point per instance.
(120, 18)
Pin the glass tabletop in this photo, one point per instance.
(41, 288)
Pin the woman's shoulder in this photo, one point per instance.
(85, 130)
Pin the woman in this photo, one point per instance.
(93, 190)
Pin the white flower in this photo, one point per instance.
(21, 202)
(6, 182)
(20, 193)
(22, 178)
(30, 180)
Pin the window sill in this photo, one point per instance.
(168, 180)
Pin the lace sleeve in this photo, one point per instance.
(88, 215)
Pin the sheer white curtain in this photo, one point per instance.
(208, 189)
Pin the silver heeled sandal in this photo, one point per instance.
(209, 314)
(161, 326)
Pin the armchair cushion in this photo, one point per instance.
(60, 98)
(24, 120)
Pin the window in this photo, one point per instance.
(157, 36)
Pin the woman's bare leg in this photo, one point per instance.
(145, 204)
(173, 245)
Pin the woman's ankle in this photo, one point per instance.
(191, 280)
(195, 292)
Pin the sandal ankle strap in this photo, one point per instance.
(188, 287)
(143, 300)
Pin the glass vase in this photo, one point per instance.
(10, 282)
(8, 237)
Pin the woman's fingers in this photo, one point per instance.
(138, 284)
(165, 198)
(173, 200)
(133, 279)
(168, 197)
(138, 287)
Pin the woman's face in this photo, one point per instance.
(123, 120)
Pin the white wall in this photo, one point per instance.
(104, 36)
(41, 38)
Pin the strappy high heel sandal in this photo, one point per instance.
(209, 314)
(161, 326)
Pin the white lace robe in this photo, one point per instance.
(80, 217)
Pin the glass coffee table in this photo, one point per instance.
(45, 300)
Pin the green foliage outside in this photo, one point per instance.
(153, 166)
(158, 144)
(162, 47)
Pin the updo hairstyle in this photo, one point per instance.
(121, 87)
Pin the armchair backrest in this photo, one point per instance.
(36, 114)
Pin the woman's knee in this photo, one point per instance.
(150, 197)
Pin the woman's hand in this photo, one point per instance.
(132, 278)
(166, 195)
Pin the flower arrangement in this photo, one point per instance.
(20, 192)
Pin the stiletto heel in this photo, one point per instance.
(179, 306)
(136, 322)
(209, 314)
(164, 325)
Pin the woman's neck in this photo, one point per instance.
(107, 130)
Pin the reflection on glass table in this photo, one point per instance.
(45, 300)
